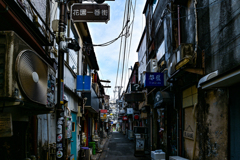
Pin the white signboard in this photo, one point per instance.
(129, 110)
(140, 144)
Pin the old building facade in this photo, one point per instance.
(194, 45)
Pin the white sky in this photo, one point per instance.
(107, 57)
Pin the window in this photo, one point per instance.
(73, 127)
(72, 56)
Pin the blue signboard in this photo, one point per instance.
(155, 79)
(83, 83)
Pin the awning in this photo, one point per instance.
(224, 80)
(90, 109)
(162, 98)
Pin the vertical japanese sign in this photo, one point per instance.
(90, 12)
(155, 79)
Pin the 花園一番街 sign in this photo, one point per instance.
(90, 12)
(154, 79)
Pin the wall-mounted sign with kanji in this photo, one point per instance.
(90, 12)
(155, 79)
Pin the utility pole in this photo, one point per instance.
(114, 95)
(60, 133)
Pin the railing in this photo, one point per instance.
(32, 13)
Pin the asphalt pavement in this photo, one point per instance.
(119, 147)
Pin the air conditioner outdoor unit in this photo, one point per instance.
(152, 65)
(24, 75)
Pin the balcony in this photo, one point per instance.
(24, 15)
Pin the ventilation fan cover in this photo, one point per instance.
(33, 76)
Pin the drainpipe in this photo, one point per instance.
(174, 104)
(179, 27)
(196, 26)
(48, 132)
(195, 130)
(34, 126)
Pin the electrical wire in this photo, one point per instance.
(125, 44)
(134, 9)
(121, 43)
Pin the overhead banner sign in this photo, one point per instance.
(154, 79)
(90, 12)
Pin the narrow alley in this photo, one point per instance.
(119, 147)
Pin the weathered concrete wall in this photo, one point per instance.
(222, 53)
(168, 38)
(212, 132)
(189, 126)
(188, 23)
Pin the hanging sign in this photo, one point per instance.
(154, 79)
(90, 12)
(129, 110)
(125, 118)
(136, 87)
(136, 116)
(104, 111)
(103, 115)
(6, 125)
(188, 133)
